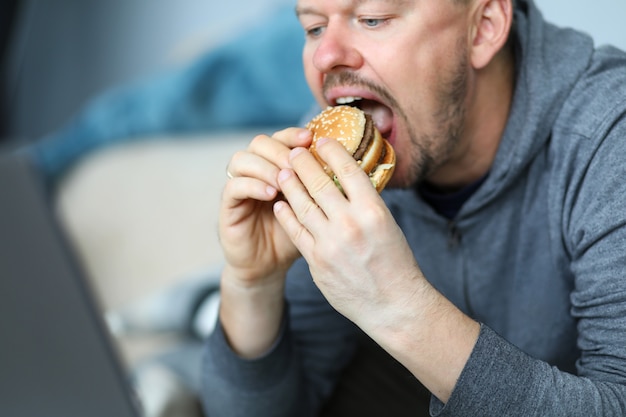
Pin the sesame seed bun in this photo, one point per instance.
(355, 130)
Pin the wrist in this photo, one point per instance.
(430, 336)
(251, 278)
(251, 312)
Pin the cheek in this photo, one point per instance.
(313, 77)
(415, 78)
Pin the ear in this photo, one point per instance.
(492, 20)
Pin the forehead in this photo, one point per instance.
(305, 5)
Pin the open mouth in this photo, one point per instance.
(381, 115)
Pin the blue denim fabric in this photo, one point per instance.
(255, 80)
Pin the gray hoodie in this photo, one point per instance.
(537, 255)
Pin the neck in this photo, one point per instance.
(488, 104)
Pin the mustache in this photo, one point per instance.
(352, 79)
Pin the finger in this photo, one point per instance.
(270, 149)
(354, 181)
(316, 181)
(294, 137)
(299, 235)
(304, 207)
(276, 148)
(266, 155)
(250, 164)
(246, 188)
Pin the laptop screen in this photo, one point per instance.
(56, 356)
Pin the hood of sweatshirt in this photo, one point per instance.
(549, 62)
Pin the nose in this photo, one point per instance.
(336, 51)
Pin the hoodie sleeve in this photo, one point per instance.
(266, 386)
(501, 380)
(296, 375)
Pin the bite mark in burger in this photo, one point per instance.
(355, 130)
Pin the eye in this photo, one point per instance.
(314, 32)
(372, 22)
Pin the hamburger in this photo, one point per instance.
(355, 130)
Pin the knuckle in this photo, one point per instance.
(257, 141)
(374, 214)
(298, 235)
(284, 136)
(349, 168)
(280, 132)
(352, 232)
(236, 158)
(319, 183)
(307, 209)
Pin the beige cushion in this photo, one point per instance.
(143, 215)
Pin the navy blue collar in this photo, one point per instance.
(448, 204)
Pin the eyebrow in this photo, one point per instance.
(310, 10)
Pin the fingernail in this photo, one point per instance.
(322, 141)
(283, 175)
(296, 151)
(278, 206)
(304, 134)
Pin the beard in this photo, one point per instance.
(431, 150)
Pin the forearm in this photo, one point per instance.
(430, 337)
(251, 314)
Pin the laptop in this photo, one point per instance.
(57, 358)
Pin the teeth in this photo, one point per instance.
(348, 99)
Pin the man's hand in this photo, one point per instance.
(360, 260)
(257, 251)
(357, 254)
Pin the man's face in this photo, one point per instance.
(405, 61)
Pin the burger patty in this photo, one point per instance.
(368, 137)
(383, 155)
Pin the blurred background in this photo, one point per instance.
(56, 54)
